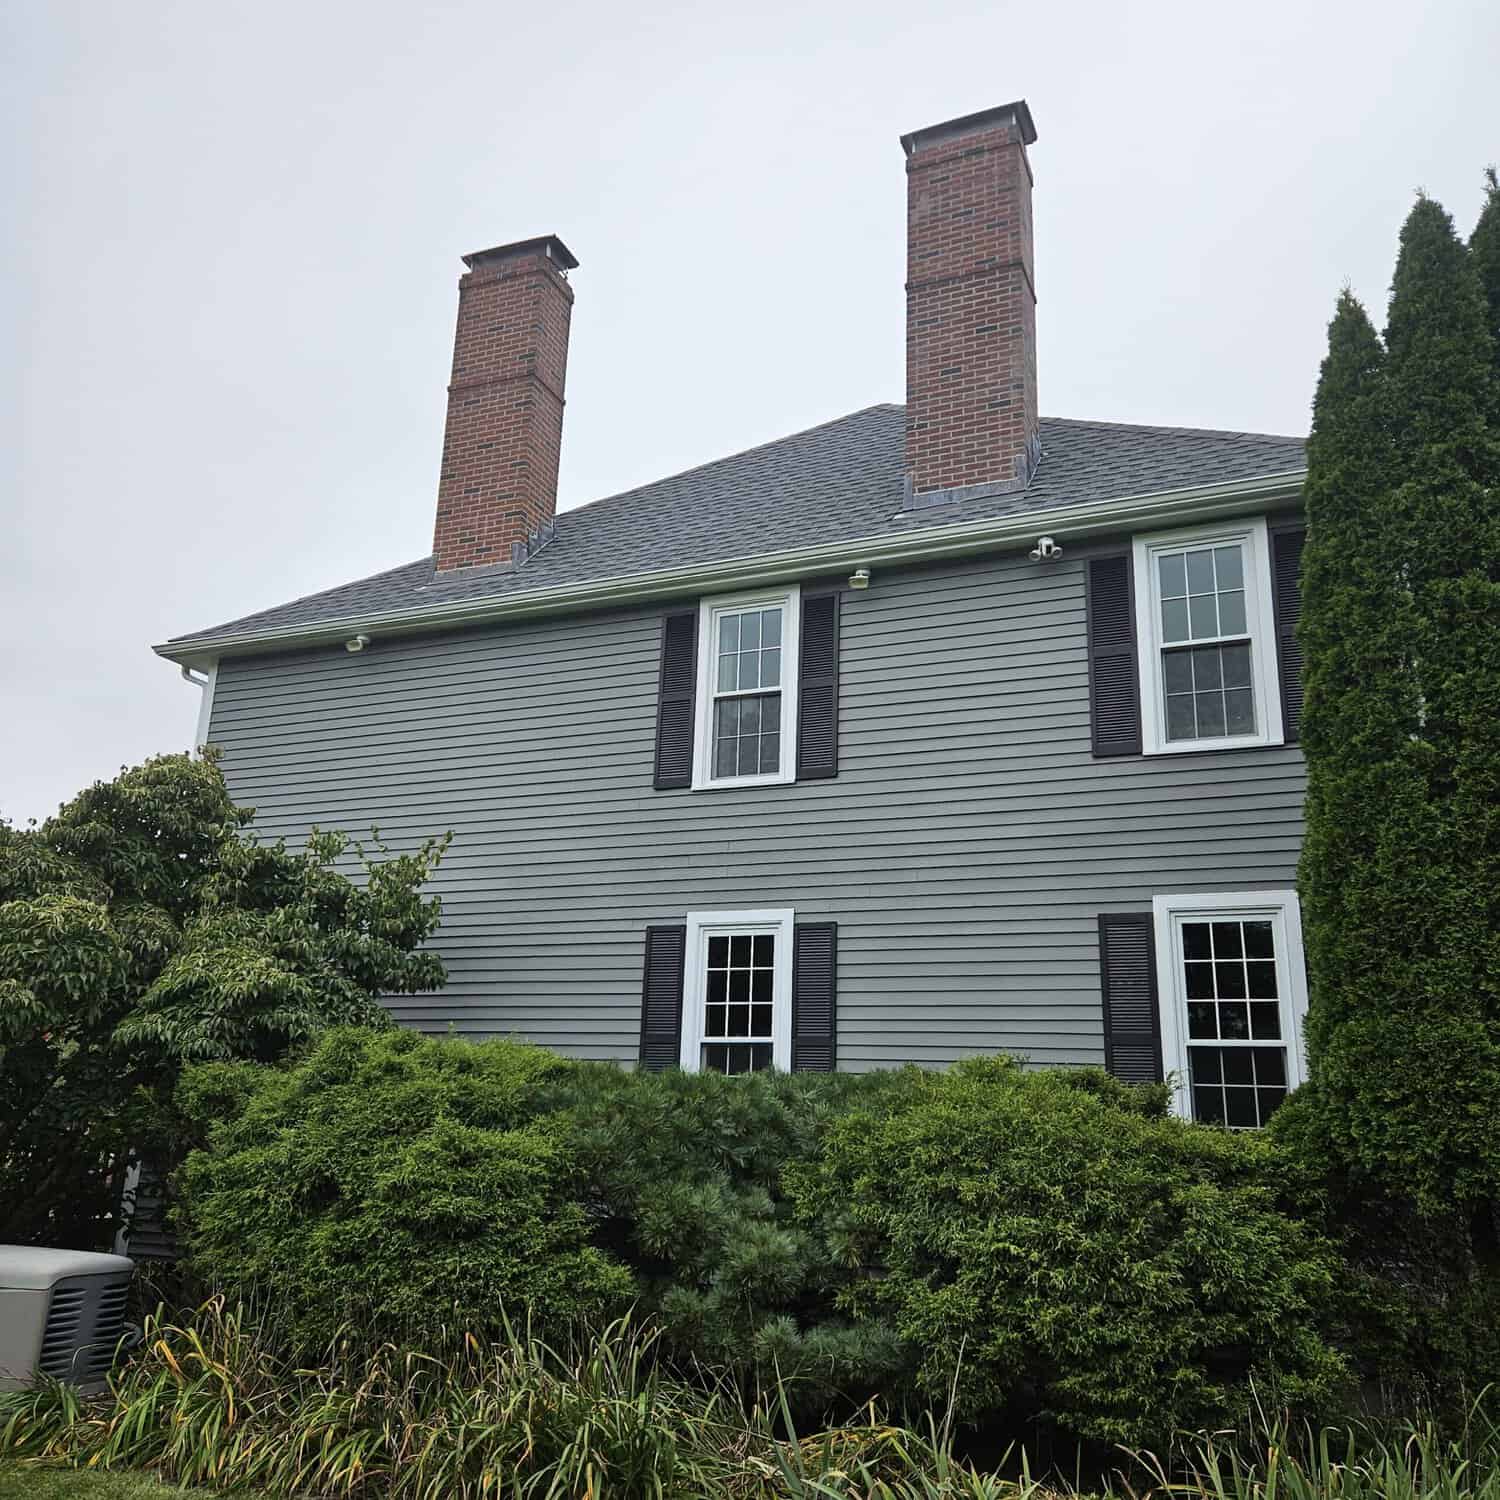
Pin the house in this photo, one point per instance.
(922, 733)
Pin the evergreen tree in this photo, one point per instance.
(1484, 248)
(1401, 869)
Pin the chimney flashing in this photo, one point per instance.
(547, 245)
(1018, 111)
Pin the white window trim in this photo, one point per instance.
(709, 610)
(1285, 913)
(1259, 617)
(701, 925)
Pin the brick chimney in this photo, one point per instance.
(497, 493)
(971, 412)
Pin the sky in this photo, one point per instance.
(228, 270)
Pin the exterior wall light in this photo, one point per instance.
(1046, 550)
(859, 578)
(356, 643)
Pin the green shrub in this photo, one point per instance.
(1052, 1248)
(395, 1184)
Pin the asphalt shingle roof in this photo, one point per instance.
(839, 481)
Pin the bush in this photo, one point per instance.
(1051, 1242)
(1050, 1246)
(395, 1184)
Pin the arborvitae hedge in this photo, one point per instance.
(1400, 873)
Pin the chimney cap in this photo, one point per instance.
(546, 244)
(1018, 110)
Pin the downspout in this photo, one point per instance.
(205, 686)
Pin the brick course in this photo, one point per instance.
(971, 407)
(503, 434)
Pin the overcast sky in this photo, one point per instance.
(232, 237)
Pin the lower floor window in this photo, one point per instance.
(1233, 995)
(737, 991)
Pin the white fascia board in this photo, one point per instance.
(1066, 522)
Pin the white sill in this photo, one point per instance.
(730, 783)
(1225, 742)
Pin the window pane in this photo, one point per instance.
(1232, 613)
(1238, 1063)
(729, 633)
(718, 986)
(725, 758)
(1268, 1099)
(770, 668)
(1227, 941)
(728, 674)
(1203, 618)
(1260, 940)
(1177, 671)
(750, 632)
(739, 980)
(1203, 1064)
(1270, 1065)
(713, 1022)
(1240, 1112)
(1196, 941)
(739, 951)
(1262, 977)
(1200, 981)
(749, 756)
(718, 951)
(1265, 1021)
(770, 754)
(1236, 664)
(749, 715)
(739, 1020)
(1239, 711)
(1230, 980)
(1208, 1105)
(727, 718)
(1229, 568)
(1202, 1021)
(1207, 672)
(749, 669)
(1234, 1022)
(762, 982)
(1210, 714)
(1174, 619)
(770, 627)
(760, 1020)
(1200, 572)
(764, 950)
(1182, 723)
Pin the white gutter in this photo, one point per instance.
(205, 686)
(1065, 522)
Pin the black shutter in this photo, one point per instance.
(818, 688)
(1114, 689)
(676, 684)
(1286, 604)
(661, 998)
(815, 949)
(1127, 978)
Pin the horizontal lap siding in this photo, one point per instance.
(965, 848)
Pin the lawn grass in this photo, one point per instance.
(24, 1483)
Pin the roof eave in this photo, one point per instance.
(998, 533)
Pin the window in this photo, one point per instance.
(1233, 995)
(747, 680)
(1207, 659)
(737, 991)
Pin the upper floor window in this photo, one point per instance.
(1207, 654)
(1233, 997)
(747, 702)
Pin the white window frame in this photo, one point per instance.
(789, 598)
(1259, 620)
(702, 925)
(1285, 914)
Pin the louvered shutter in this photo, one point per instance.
(1286, 604)
(676, 684)
(818, 688)
(1114, 690)
(661, 998)
(1127, 974)
(815, 948)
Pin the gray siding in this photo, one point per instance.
(965, 848)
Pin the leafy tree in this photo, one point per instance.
(1484, 247)
(1401, 868)
(144, 926)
